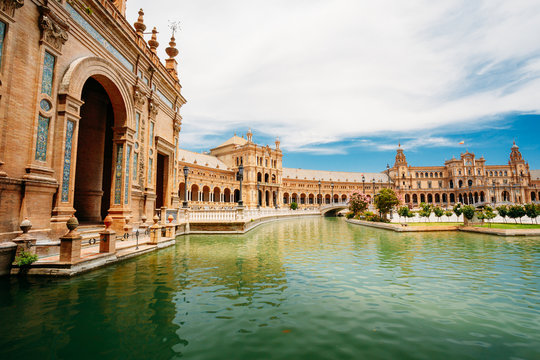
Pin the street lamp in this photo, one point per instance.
(363, 184)
(332, 185)
(240, 178)
(388, 173)
(373, 183)
(186, 172)
(494, 195)
(319, 197)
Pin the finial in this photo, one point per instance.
(153, 41)
(172, 51)
(139, 24)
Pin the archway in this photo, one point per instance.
(236, 195)
(286, 198)
(206, 193)
(430, 198)
(267, 198)
(415, 199)
(452, 198)
(407, 198)
(422, 198)
(182, 191)
(533, 196)
(227, 195)
(217, 194)
(194, 192)
(93, 177)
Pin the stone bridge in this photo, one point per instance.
(333, 208)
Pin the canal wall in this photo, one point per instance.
(403, 228)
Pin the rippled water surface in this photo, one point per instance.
(311, 288)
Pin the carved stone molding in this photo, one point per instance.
(177, 124)
(139, 97)
(9, 6)
(54, 31)
(153, 108)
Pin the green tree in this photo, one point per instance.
(385, 201)
(468, 212)
(425, 210)
(294, 206)
(516, 212)
(358, 203)
(503, 211)
(457, 210)
(438, 212)
(489, 214)
(403, 211)
(448, 214)
(532, 211)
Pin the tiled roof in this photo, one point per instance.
(235, 140)
(191, 157)
(337, 176)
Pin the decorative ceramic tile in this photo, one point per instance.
(48, 74)
(135, 162)
(118, 175)
(151, 134)
(98, 37)
(126, 181)
(150, 161)
(42, 138)
(45, 105)
(137, 122)
(2, 36)
(67, 161)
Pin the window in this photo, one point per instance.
(429, 184)
(2, 36)
(419, 184)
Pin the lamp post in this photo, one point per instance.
(240, 178)
(332, 185)
(363, 184)
(388, 173)
(258, 195)
(494, 195)
(319, 197)
(373, 183)
(186, 172)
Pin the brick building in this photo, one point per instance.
(89, 115)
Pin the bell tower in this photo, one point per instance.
(401, 160)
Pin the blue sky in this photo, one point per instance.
(342, 81)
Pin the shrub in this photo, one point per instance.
(531, 210)
(358, 203)
(457, 210)
(489, 214)
(349, 215)
(294, 206)
(448, 214)
(468, 211)
(425, 210)
(403, 212)
(25, 258)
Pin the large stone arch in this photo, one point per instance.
(80, 70)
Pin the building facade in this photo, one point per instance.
(89, 115)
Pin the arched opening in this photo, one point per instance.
(327, 199)
(182, 191)
(476, 198)
(451, 184)
(319, 199)
(336, 198)
(407, 198)
(266, 178)
(259, 197)
(482, 196)
(311, 199)
(430, 198)
(195, 193)
(471, 198)
(470, 183)
(343, 198)
(274, 198)
(236, 195)
(94, 166)
(286, 198)
(505, 196)
(206, 193)
(267, 198)
(437, 198)
(415, 199)
(444, 198)
(533, 196)
(227, 195)
(273, 179)
(461, 198)
(217, 194)
(422, 198)
(294, 198)
(460, 183)
(302, 199)
(259, 177)
(452, 198)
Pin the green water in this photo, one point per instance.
(311, 288)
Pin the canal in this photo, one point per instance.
(310, 288)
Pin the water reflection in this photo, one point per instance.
(310, 288)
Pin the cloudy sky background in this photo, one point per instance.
(342, 81)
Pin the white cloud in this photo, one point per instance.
(315, 72)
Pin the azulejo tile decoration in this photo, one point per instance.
(126, 184)
(118, 175)
(42, 138)
(48, 74)
(2, 35)
(45, 105)
(135, 162)
(67, 161)
(98, 37)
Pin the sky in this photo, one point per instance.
(342, 82)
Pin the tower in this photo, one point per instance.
(121, 6)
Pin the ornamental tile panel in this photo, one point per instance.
(135, 162)
(45, 105)
(126, 184)
(66, 173)
(48, 74)
(118, 175)
(42, 138)
(2, 36)
(98, 37)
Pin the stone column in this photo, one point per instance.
(107, 237)
(70, 244)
